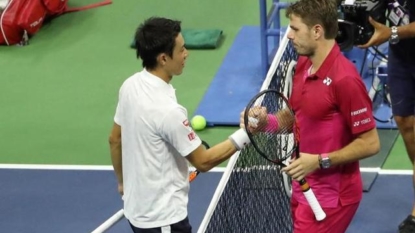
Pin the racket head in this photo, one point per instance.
(193, 171)
(271, 127)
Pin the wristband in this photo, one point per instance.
(239, 139)
(272, 125)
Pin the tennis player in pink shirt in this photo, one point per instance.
(335, 118)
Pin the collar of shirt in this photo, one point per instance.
(160, 84)
(322, 72)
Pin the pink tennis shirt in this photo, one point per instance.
(332, 107)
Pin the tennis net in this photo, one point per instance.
(253, 194)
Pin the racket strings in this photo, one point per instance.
(271, 126)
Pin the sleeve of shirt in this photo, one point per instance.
(117, 117)
(355, 104)
(118, 111)
(175, 129)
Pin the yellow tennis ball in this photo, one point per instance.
(198, 122)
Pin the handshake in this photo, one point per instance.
(253, 121)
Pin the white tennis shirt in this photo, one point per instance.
(156, 137)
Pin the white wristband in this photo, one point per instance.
(239, 139)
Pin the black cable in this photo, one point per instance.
(373, 73)
(380, 53)
(363, 63)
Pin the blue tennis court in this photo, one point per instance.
(67, 201)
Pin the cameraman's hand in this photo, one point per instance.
(381, 34)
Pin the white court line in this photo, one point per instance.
(55, 167)
(386, 171)
(71, 167)
(396, 172)
(109, 168)
(370, 169)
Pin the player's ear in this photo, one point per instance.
(317, 31)
(162, 59)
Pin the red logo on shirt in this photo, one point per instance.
(191, 136)
(186, 123)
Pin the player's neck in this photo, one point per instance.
(161, 73)
(321, 53)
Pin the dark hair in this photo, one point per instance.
(156, 35)
(312, 12)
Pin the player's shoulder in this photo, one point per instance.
(129, 81)
(172, 115)
(348, 79)
(133, 78)
(175, 111)
(343, 68)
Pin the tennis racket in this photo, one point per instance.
(272, 129)
(193, 171)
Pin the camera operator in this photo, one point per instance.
(401, 76)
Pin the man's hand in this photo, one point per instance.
(302, 166)
(260, 120)
(381, 34)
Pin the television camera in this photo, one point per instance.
(353, 22)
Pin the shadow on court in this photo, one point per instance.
(68, 201)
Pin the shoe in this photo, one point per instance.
(408, 225)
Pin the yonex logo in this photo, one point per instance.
(327, 81)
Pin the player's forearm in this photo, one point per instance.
(285, 120)
(218, 154)
(407, 31)
(360, 148)
(116, 158)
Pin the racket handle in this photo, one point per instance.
(312, 200)
(193, 175)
